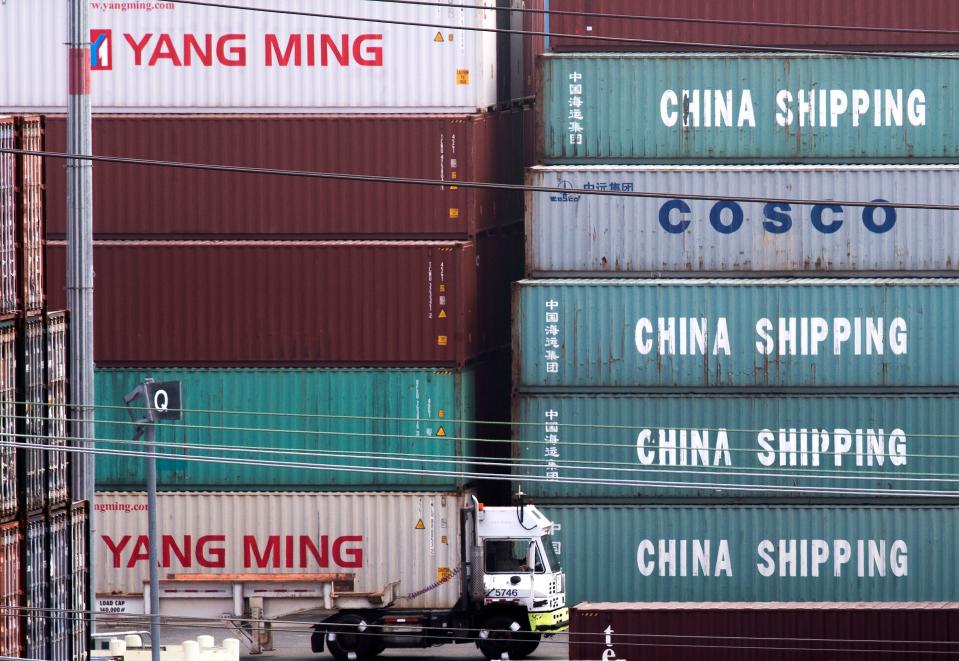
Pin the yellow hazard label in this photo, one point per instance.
(454, 213)
(443, 540)
(441, 432)
(449, 37)
(443, 573)
(419, 525)
(442, 314)
(462, 76)
(441, 413)
(441, 340)
(453, 174)
(438, 38)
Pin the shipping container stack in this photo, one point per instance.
(370, 319)
(36, 584)
(768, 376)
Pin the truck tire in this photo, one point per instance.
(349, 644)
(501, 638)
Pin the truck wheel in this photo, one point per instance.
(501, 638)
(346, 642)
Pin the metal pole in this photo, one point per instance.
(80, 265)
(152, 532)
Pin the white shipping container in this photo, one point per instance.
(161, 56)
(377, 536)
(573, 233)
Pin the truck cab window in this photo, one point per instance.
(511, 556)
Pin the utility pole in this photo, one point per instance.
(80, 268)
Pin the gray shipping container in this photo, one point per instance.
(576, 233)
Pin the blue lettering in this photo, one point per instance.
(869, 220)
(777, 218)
(818, 223)
(716, 216)
(664, 212)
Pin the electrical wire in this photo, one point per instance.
(540, 33)
(411, 181)
(671, 19)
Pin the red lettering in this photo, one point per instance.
(322, 558)
(290, 548)
(141, 551)
(138, 47)
(253, 557)
(115, 548)
(211, 557)
(169, 544)
(372, 56)
(191, 46)
(235, 56)
(165, 50)
(349, 557)
(342, 54)
(283, 59)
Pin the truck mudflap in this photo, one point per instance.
(550, 621)
(318, 639)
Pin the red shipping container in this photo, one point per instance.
(136, 201)
(8, 218)
(803, 29)
(30, 209)
(79, 582)
(9, 479)
(10, 589)
(839, 631)
(438, 303)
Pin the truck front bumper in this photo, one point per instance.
(550, 621)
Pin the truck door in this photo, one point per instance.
(510, 567)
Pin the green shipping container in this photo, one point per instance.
(879, 333)
(641, 446)
(704, 108)
(757, 553)
(388, 420)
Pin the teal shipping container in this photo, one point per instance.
(606, 447)
(357, 428)
(624, 333)
(757, 553)
(748, 108)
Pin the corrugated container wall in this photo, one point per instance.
(861, 25)
(372, 535)
(748, 631)
(881, 333)
(578, 233)
(8, 218)
(386, 420)
(757, 553)
(715, 446)
(9, 492)
(171, 57)
(748, 108)
(31, 412)
(10, 573)
(59, 567)
(56, 407)
(137, 201)
(36, 590)
(79, 581)
(294, 303)
(31, 214)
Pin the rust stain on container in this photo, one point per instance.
(134, 201)
(299, 302)
(799, 25)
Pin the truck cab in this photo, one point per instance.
(512, 593)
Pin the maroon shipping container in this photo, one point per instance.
(10, 569)
(437, 303)
(8, 218)
(9, 494)
(801, 24)
(30, 209)
(60, 566)
(135, 201)
(36, 589)
(845, 631)
(56, 410)
(31, 412)
(79, 582)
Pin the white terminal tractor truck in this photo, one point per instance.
(512, 593)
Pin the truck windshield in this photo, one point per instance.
(551, 549)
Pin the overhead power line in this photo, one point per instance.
(412, 181)
(540, 33)
(671, 19)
